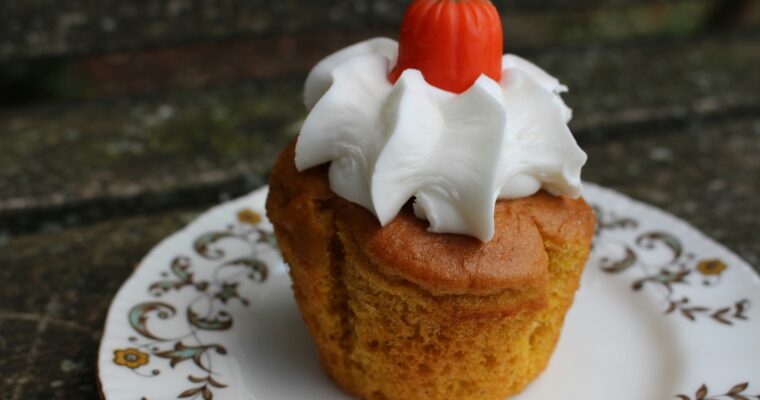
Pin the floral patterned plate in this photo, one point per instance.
(663, 313)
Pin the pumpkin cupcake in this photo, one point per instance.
(430, 211)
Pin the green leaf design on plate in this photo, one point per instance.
(222, 322)
(257, 268)
(615, 266)
(180, 268)
(204, 244)
(138, 317)
(648, 241)
(182, 352)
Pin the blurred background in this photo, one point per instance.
(119, 108)
(121, 120)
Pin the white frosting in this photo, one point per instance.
(456, 154)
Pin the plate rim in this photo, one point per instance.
(679, 224)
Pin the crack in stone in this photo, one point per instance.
(42, 324)
(31, 317)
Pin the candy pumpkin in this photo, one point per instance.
(452, 42)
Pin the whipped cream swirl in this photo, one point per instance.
(455, 154)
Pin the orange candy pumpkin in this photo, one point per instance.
(452, 42)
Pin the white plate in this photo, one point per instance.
(663, 313)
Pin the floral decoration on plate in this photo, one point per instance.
(209, 315)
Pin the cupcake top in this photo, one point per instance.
(443, 119)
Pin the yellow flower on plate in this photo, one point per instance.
(711, 267)
(130, 358)
(248, 216)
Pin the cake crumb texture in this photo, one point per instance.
(398, 313)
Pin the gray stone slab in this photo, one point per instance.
(16, 341)
(69, 276)
(134, 154)
(65, 367)
(669, 81)
(54, 294)
(35, 28)
(706, 173)
(75, 162)
(55, 287)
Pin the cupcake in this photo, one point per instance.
(430, 211)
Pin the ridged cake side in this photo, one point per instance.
(386, 331)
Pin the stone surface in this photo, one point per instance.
(34, 28)
(16, 347)
(667, 81)
(196, 65)
(706, 173)
(79, 161)
(71, 163)
(92, 180)
(55, 287)
(54, 297)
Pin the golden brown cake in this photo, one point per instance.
(399, 313)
